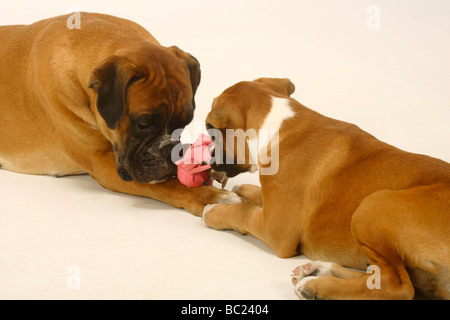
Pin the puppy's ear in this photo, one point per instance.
(217, 119)
(226, 113)
(110, 80)
(193, 66)
(283, 86)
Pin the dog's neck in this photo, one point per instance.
(268, 117)
(280, 111)
(267, 124)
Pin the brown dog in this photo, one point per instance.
(104, 99)
(339, 195)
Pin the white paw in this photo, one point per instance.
(207, 208)
(315, 268)
(298, 288)
(307, 272)
(230, 198)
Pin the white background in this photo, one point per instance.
(392, 82)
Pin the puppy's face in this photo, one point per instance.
(239, 111)
(143, 95)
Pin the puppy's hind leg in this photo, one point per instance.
(312, 270)
(383, 227)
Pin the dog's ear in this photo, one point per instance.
(283, 86)
(193, 66)
(217, 119)
(110, 80)
(225, 114)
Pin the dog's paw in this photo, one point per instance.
(314, 268)
(219, 206)
(204, 195)
(249, 192)
(305, 273)
(208, 208)
(229, 198)
(302, 291)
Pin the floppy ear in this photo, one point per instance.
(283, 86)
(110, 80)
(193, 66)
(217, 119)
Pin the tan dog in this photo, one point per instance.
(340, 195)
(102, 99)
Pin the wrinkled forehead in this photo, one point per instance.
(163, 104)
(150, 93)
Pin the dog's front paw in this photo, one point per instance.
(216, 216)
(229, 198)
(202, 196)
(222, 202)
(249, 192)
(208, 208)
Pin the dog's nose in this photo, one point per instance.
(124, 174)
(178, 153)
(166, 150)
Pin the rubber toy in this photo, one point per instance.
(193, 169)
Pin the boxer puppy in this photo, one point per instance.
(339, 195)
(103, 98)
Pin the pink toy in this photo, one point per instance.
(193, 169)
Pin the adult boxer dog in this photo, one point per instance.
(340, 195)
(104, 99)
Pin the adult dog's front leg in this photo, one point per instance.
(102, 167)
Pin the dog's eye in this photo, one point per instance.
(147, 124)
(144, 123)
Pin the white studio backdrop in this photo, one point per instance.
(381, 64)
